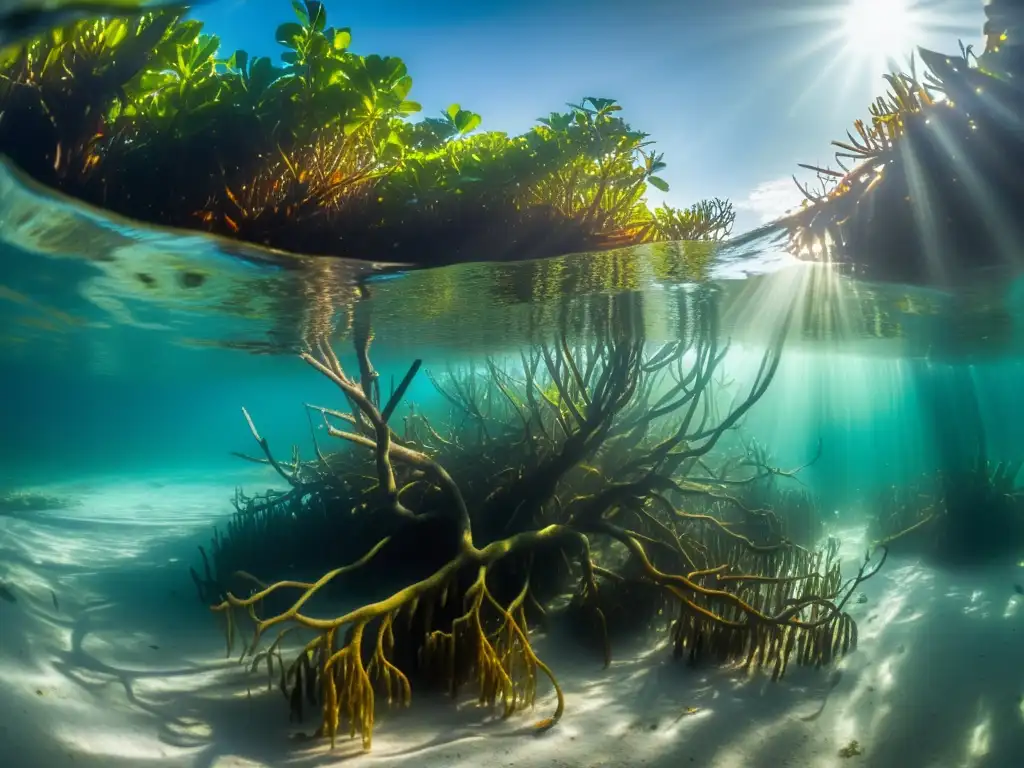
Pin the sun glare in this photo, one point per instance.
(882, 30)
(841, 48)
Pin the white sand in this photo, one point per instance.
(936, 683)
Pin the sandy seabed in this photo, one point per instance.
(108, 659)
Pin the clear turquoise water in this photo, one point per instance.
(127, 354)
(116, 357)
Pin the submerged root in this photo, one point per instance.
(956, 515)
(488, 643)
(604, 458)
(505, 665)
(488, 639)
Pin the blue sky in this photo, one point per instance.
(734, 92)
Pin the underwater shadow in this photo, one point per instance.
(208, 709)
(933, 682)
(664, 712)
(957, 686)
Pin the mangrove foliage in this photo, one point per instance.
(318, 152)
(928, 186)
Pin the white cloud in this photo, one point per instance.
(770, 200)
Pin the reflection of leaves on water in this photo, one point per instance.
(21, 20)
(252, 346)
(53, 320)
(916, 305)
(39, 323)
(685, 262)
(117, 309)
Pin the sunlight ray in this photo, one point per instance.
(921, 207)
(862, 38)
(990, 208)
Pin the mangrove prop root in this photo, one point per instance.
(503, 660)
(765, 604)
(504, 666)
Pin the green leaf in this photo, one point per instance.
(335, 101)
(262, 74)
(385, 70)
(239, 60)
(658, 183)
(115, 33)
(152, 81)
(386, 102)
(453, 111)
(402, 87)
(410, 107)
(317, 47)
(208, 47)
(290, 35)
(602, 105)
(281, 84)
(300, 13)
(342, 39)
(317, 15)
(467, 121)
(290, 57)
(185, 31)
(359, 80)
(207, 90)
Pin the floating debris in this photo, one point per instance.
(851, 750)
(53, 596)
(687, 711)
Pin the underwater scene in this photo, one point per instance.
(343, 424)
